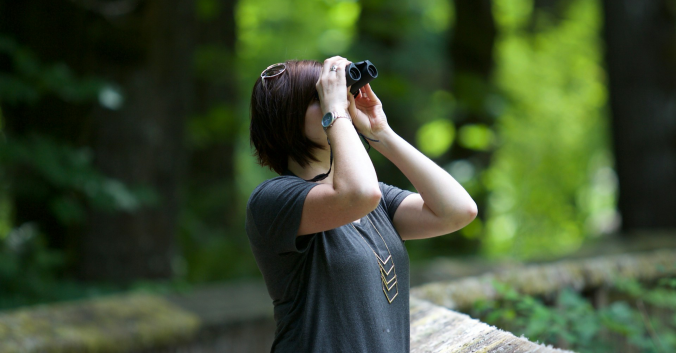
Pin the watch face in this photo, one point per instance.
(327, 119)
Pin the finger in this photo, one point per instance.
(338, 80)
(352, 108)
(342, 63)
(362, 96)
(340, 71)
(369, 92)
(338, 65)
(327, 65)
(325, 73)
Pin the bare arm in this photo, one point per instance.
(354, 191)
(442, 205)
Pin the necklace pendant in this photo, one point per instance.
(391, 283)
(390, 300)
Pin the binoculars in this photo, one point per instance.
(359, 74)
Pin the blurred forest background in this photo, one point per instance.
(124, 151)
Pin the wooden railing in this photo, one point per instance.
(437, 329)
(543, 279)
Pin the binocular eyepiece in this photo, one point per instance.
(359, 74)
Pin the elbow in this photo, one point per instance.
(460, 218)
(374, 197)
(366, 199)
(370, 197)
(468, 214)
(472, 212)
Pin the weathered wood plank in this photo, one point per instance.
(435, 329)
(451, 268)
(109, 324)
(550, 278)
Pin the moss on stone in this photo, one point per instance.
(108, 324)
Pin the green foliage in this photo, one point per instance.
(40, 168)
(218, 125)
(31, 79)
(60, 178)
(477, 137)
(436, 137)
(276, 30)
(207, 10)
(551, 183)
(37, 164)
(29, 271)
(69, 175)
(550, 179)
(212, 253)
(636, 318)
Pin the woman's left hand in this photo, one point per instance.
(367, 113)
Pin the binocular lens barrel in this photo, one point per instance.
(359, 74)
(353, 75)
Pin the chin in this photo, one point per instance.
(323, 143)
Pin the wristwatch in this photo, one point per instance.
(330, 117)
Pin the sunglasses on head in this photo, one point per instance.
(273, 70)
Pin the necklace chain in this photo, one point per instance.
(387, 285)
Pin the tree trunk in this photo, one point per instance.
(472, 43)
(383, 28)
(641, 59)
(471, 56)
(212, 165)
(148, 52)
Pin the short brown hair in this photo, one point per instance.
(278, 108)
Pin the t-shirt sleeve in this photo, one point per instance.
(392, 197)
(274, 211)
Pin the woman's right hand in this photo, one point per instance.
(331, 85)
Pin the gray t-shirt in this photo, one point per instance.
(327, 287)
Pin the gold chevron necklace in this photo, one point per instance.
(384, 274)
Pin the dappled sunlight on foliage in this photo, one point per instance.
(271, 31)
(553, 142)
(435, 138)
(528, 135)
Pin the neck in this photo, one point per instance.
(314, 168)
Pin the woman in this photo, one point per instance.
(327, 236)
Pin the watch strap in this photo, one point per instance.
(337, 116)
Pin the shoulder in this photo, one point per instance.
(278, 188)
(390, 191)
(276, 182)
(392, 197)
